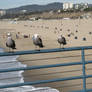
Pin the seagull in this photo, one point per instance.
(37, 41)
(61, 40)
(10, 43)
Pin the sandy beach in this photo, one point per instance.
(74, 30)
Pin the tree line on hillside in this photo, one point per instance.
(24, 15)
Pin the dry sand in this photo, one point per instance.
(49, 31)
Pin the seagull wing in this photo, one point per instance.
(13, 44)
(40, 42)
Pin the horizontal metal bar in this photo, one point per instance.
(39, 67)
(40, 82)
(88, 76)
(44, 51)
(45, 66)
(88, 62)
(42, 66)
(46, 81)
(78, 91)
(88, 90)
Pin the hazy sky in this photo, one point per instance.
(16, 3)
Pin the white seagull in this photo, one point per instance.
(61, 40)
(37, 41)
(10, 43)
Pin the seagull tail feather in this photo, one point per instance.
(41, 45)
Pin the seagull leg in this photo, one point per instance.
(12, 50)
(38, 49)
(63, 46)
(35, 47)
(9, 49)
(60, 45)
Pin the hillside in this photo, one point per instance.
(40, 8)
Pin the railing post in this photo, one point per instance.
(83, 70)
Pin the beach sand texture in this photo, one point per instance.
(73, 30)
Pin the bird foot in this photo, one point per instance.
(10, 51)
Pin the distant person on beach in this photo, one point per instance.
(17, 37)
(18, 32)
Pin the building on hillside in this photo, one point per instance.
(85, 5)
(59, 11)
(67, 6)
(51, 12)
(81, 6)
(2, 12)
(23, 11)
(76, 6)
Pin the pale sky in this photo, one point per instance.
(4, 4)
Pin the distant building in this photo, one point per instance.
(85, 5)
(67, 6)
(59, 11)
(2, 12)
(23, 11)
(77, 6)
(51, 12)
(81, 6)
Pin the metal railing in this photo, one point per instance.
(83, 62)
